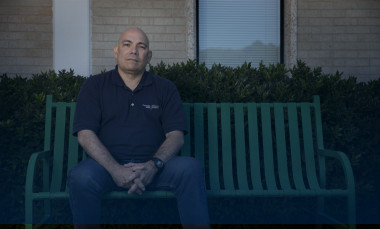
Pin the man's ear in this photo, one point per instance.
(149, 55)
(115, 51)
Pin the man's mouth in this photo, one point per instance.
(132, 59)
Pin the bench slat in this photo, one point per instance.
(48, 122)
(73, 143)
(295, 147)
(241, 165)
(318, 128)
(59, 146)
(254, 147)
(212, 118)
(199, 132)
(268, 147)
(186, 150)
(226, 147)
(308, 146)
(282, 161)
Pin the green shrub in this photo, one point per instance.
(22, 119)
(350, 112)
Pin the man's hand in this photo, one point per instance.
(124, 176)
(146, 172)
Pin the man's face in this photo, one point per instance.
(132, 52)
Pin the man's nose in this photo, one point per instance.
(133, 49)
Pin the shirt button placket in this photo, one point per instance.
(132, 103)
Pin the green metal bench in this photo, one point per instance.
(247, 149)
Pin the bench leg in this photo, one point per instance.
(29, 212)
(320, 206)
(351, 211)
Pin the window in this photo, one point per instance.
(231, 32)
(71, 29)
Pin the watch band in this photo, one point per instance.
(158, 163)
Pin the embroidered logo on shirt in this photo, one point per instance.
(151, 106)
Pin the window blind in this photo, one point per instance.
(234, 31)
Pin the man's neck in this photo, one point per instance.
(131, 80)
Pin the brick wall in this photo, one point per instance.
(25, 36)
(163, 21)
(341, 35)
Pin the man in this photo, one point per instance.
(131, 124)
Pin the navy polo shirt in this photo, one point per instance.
(131, 124)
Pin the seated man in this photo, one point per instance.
(131, 124)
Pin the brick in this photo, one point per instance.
(369, 21)
(138, 4)
(345, 21)
(103, 61)
(357, 13)
(103, 28)
(175, 29)
(305, 5)
(163, 37)
(169, 4)
(156, 12)
(141, 21)
(175, 46)
(26, 3)
(346, 37)
(163, 21)
(97, 37)
(103, 12)
(103, 45)
(113, 37)
(128, 12)
(180, 21)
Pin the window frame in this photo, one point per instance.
(281, 30)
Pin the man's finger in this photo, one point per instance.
(132, 189)
(139, 184)
(129, 165)
(135, 189)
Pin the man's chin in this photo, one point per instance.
(131, 69)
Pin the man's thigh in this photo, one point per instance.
(89, 173)
(175, 170)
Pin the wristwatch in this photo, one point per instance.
(158, 163)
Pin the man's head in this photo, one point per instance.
(132, 51)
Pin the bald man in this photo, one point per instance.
(131, 124)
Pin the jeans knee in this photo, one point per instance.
(82, 178)
(192, 168)
(77, 178)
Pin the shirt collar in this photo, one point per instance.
(145, 81)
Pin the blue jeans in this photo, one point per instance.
(88, 182)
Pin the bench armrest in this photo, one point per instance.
(345, 162)
(34, 158)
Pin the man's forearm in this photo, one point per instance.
(123, 176)
(96, 150)
(168, 149)
(171, 146)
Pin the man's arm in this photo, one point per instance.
(123, 176)
(168, 149)
(171, 146)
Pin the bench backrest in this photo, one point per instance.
(244, 146)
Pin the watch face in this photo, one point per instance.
(159, 164)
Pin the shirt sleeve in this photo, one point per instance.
(173, 116)
(88, 107)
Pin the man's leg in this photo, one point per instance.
(185, 177)
(88, 182)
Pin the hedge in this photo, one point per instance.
(350, 112)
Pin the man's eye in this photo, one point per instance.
(126, 44)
